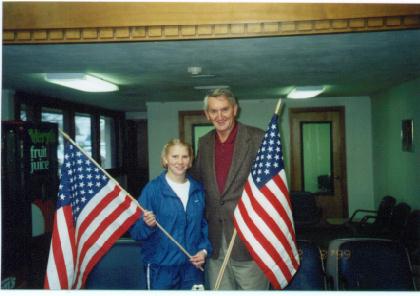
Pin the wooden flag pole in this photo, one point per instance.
(225, 261)
(128, 194)
(232, 240)
(278, 107)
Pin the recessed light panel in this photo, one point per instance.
(81, 81)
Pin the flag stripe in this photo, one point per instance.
(120, 231)
(280, 182)
(92, 210)
(289, 234)
(90, 238)
(261, 238)
(268, 197)
(63, 246)
(289, 225)
(46, 282)
(67, 232)
(59, 273)
(278, 235)
(258, 253)
(99, 238)
(273, 229)
(96, 224)
(276, 186)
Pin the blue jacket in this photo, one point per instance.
(188, 227)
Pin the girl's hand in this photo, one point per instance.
(199, 259)
(149, 218)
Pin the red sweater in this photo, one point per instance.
(223, 157)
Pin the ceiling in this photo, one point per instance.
(349, 64)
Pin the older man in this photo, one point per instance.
(223, 163)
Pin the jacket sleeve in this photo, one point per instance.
(140, 230)
(205, 242)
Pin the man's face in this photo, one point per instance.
(221, 113)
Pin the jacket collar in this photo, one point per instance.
(167, 190)
(239, 153)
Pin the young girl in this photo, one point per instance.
(176, 202)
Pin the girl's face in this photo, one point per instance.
(178, 160)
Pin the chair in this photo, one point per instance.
(120, 268)
(369, 264)
(411, 233)
(370, 222)
(305, 210)
(398, 221)
(311, 273)
(411, 239)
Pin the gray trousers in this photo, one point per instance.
(238, 275)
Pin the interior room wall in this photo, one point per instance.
(396, 171)
(162, 119)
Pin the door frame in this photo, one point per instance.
(296, 156)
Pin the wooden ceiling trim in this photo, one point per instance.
(52, 22)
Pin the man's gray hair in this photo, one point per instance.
(218, 92)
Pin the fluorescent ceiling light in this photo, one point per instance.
(304, 92)
(81, 81)
(203, 76)
(210, 86)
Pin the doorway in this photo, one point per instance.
(318, 159)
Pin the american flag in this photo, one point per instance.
(93, 211)
(263, 215)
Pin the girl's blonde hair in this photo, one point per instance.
(172, 143)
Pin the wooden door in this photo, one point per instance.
(323, 130)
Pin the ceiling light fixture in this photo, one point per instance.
(207, 87)
(203, 76)
(81, 81)
(304, 92)
(194, 70)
